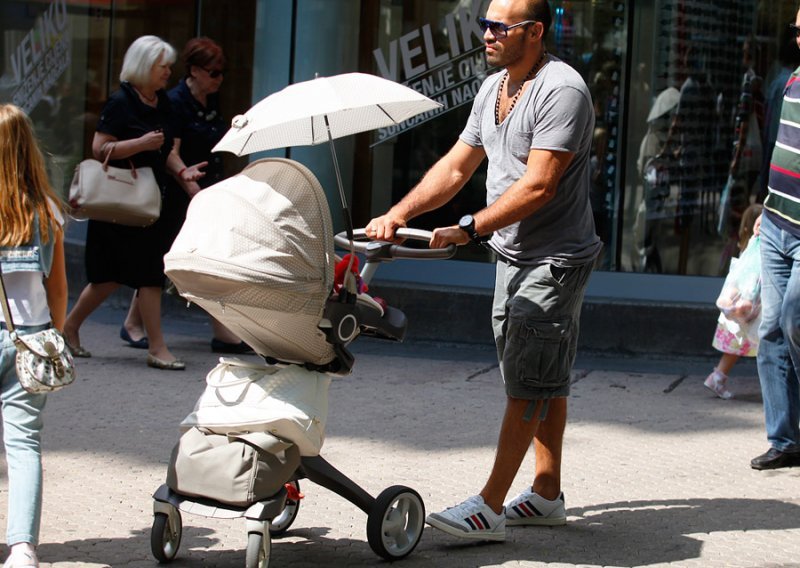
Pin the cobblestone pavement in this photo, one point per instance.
(656, 470)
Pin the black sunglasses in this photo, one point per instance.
(214, 73)
(499, 29)
(796, 29)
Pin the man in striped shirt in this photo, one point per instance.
(779, 349)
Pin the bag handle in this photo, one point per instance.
(234, 362)
(244, 380)
(111, 146)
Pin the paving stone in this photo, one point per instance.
(656, 470)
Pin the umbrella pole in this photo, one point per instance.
(348, 221)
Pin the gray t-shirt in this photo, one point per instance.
(554, 113)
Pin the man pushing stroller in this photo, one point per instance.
(534, 122)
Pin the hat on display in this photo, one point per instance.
(664, 103)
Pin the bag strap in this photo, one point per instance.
(111, 146)
(108, 155)
(6, 307)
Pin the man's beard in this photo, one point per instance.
(509, 54)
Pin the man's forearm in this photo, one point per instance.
(440, 184)
(436, 188)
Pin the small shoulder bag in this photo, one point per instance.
(44, 362)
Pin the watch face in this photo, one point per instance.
(466, 221)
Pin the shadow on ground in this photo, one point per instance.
(615, 534)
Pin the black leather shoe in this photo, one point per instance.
(241, 348)
(142, 343)
(775, 459)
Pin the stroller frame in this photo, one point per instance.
(395, 518)
(391, 533)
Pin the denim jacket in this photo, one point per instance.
(33, 257)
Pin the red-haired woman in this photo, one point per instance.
(199, 126)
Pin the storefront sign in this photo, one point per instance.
(451, 77)
(41, 57)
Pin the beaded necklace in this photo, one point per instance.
(147, 99)
(504, 80)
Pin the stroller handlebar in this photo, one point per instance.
(381, 251)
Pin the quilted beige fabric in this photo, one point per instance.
(256, 252)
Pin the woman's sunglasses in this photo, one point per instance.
(796, 29)
(214, 73)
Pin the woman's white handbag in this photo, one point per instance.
(126, 196)
(291, 403)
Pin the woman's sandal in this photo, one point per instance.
(78, 351)
(156, 363)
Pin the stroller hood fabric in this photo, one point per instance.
(256, 252)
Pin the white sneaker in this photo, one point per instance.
(716, 382)
(23, 555)
(473, 519)
(530, 508)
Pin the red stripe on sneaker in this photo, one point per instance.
(525, 509)
(483, 520)
(477, 522)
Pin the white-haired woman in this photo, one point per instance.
(135, 125)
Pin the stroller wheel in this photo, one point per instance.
(282, 522)
(259, 546)
(165, 536)
(394, 526)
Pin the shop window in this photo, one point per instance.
(60, 60)
(46, 69)
(592, 37)
(703, 78)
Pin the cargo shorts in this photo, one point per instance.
(535, 320)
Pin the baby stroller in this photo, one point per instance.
(257, 253)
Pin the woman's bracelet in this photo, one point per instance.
(180, 173)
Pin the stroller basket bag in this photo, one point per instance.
(256, 252)
(290, 403)
(237, 470)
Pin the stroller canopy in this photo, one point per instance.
(256, 252)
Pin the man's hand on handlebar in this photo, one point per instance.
(383, 228)
(444, 236)
(391, 250)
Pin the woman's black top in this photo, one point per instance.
(199, 129)
(133, 256)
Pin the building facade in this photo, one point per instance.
(676, 85)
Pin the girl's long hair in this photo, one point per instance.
(24, 187)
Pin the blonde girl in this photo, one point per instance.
(32, 259)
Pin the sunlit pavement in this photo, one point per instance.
(656, 470)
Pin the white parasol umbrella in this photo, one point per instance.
(319, 110)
